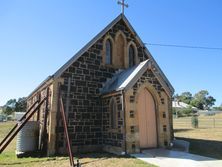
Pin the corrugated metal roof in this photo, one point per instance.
(126, 78)
(179, 104)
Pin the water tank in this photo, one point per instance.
(27, 138)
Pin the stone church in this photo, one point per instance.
(115, 96)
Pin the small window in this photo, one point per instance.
(132, 99)
(113, 114)
(164, 114)
(132, 129)
(131, 56)
(108, 52)
(131, 114)
(164, 128)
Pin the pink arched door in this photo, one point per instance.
(147, 120)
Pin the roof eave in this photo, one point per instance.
(136, 77)
(48, 79)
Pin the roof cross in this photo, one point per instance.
(123, 5)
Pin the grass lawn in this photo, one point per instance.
(203, 141)
(214, 134)
(9, 159)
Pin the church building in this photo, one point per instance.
(115, 96)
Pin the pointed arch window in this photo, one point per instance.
(113, 114)
(108, 52)
(131, 56)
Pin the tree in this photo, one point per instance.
(185, 97)
(11, 103)
(12, 106)
(21, 105)
(210, 101)
(202, 101)
(9, 107)
(197, 103)
(7, 110)
(183, 112)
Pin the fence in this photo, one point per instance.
(203, 122)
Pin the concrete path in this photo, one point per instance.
(169, 158)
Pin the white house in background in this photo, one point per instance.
(182, 105)
(19, 115)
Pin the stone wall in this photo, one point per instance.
(82, 98)
(113, 138)
(149, 81)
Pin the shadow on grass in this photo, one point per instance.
(202, 147)
(182, 130)
(101, 156)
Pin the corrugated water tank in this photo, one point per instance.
(27, 138)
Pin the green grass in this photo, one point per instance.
(9, 159)
(87, 160)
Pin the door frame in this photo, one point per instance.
(157, 101)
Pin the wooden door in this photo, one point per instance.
(147, 120)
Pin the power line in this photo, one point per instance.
(183, 46)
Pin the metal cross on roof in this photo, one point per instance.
(123, 5)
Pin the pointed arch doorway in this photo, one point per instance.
(147, 120)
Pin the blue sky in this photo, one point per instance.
(38, 37)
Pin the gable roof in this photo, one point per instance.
(160, 75)
(127, 78)
(102, 33)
